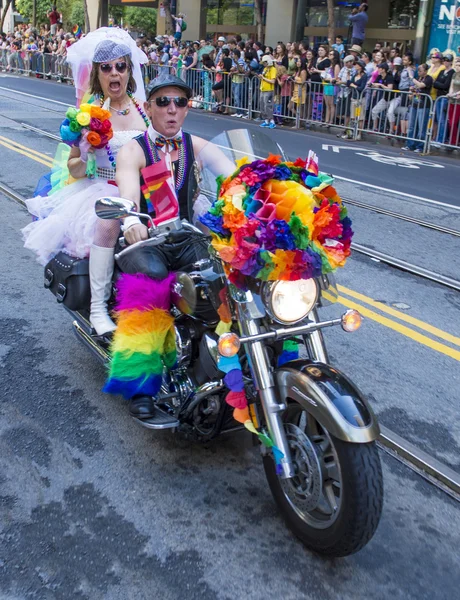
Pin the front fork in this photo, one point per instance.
(264, 383)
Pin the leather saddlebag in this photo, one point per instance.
(67, 278)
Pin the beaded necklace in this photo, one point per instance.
(140, 111)
(182, 162)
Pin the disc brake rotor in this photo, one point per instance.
(304, 489)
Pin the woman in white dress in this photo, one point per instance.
(106, 63)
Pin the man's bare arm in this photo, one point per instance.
(130, 161)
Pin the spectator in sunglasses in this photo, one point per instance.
(442, 86)
(435, 70)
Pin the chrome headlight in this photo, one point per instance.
(290, 301)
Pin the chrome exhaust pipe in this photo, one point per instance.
(101, 354)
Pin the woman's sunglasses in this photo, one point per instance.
(179, 101)
(120, 67)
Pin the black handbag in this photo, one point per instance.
(67, 277)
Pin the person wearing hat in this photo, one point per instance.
(347, 72)
(267, 90)
(71, 223)
(358, 101)
(356, 51)
(359, 19)
(165, 141)
(221, 42)
(442, 86)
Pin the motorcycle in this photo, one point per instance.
(328, 482)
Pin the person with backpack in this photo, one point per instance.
(181, 26)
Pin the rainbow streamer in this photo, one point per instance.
(144, 341)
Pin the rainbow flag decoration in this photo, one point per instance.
(76, 30)
(159, 190)
(144, 341)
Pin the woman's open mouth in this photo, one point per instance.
(114, 86)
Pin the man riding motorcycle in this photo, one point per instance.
(163, 143)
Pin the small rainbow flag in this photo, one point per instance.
(159, 190)
(76, 30)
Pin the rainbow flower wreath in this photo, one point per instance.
(274, 220)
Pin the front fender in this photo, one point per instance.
(331, 398)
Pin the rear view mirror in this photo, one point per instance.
(114, 208)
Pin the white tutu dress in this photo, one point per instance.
(67, 219)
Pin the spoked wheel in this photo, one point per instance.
(334, 501)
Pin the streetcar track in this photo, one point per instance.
(402, 217)
(402, 265)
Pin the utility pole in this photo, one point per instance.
(34, 13)
(104, 13)
(425, 14)
(300, 20)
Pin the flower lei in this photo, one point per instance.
(275, 220)
(90, 124)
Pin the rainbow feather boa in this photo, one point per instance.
(277, 220)
(144, 341)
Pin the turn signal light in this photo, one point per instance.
(228, 345)
(351, 321)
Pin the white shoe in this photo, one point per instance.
(101, 262)
(235, 115)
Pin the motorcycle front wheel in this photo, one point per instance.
(334, 502)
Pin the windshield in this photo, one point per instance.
(220, 155)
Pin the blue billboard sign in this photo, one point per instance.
(445, 26)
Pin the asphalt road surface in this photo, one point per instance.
(94, 507)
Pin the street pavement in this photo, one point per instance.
(94, 507)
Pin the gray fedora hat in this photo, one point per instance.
(167, 80)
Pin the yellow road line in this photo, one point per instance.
(401, 316)
(406, 331)
(25, 148)
(36, 158)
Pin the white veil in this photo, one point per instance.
(80, 58)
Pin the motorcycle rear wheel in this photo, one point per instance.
(334, 503)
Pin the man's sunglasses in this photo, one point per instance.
(179, 101)
(120, 67)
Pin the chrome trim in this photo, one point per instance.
(290, 381)
(315, 341)
(82, 335)
(280, 333)
(264, 383)
(183, 346)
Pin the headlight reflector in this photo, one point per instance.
(290, 301)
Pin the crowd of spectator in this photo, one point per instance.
(40, 52)
(383, 91)
(335, 85)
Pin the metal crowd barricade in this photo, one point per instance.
(401, 115)
(446, 123)
(40, 64)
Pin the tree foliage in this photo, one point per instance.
(141, 19)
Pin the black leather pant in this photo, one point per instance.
(182, 249)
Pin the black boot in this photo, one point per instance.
(141, 407)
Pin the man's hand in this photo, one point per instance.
(136, 233)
